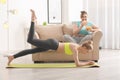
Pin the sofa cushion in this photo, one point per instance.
(50, 31)
(68, 29)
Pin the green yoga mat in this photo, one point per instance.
(50, 65)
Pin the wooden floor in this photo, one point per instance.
(109, 70)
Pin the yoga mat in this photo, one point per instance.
(50, 65)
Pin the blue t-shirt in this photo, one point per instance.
(83, 30)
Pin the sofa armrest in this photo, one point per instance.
(96, 40)
(97, 36)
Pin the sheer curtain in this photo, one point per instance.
(106, 15)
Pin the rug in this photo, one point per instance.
(50, 65)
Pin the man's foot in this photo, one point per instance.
(33, 17)
(10, 58)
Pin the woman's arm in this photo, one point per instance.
(74, 49)
(76, 58)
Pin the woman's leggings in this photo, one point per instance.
(41, 45)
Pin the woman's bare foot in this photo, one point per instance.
(10, 58)
(33, 17)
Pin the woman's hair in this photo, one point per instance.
(88, 44)
(82, 13)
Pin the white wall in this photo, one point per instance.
(13, 38)
(74, 8)
(18, 22)
(3, 30)
(65, 11)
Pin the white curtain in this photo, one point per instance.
(106, 15)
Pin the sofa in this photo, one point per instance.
(57, 31)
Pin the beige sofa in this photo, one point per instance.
(57, 32)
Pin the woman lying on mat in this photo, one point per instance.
(52, 44)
